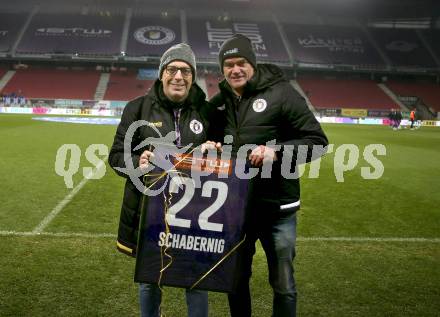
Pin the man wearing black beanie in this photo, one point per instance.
(238, 46)
(262, 108)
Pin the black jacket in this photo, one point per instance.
(271, 109)
(159, 112)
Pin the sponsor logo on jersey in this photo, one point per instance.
(215, 166)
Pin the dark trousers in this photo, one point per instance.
(150, 298)
(277, 234)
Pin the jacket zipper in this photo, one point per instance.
(177, 126)
(238, 119)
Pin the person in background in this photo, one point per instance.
(395, 117)
(392, 117)
(412, 118)
(398, 118)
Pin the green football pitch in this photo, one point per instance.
(366, 247)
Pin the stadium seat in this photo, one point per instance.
(54, 83)
(428, 92)
(126, 86)
(334, 93)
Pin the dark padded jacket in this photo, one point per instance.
(159, 112)
(271, 109)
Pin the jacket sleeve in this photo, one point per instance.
(116, 156)
(300, 126)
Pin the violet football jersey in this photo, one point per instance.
(192, 229)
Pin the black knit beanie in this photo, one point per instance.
(237, 46)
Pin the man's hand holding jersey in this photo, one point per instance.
(259, 155)
(211, 145)
(145, 159)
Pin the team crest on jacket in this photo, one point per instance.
(196, 126)
(259, 105)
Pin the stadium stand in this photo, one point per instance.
(54, 83)
(332, 45)
(110, 36)
(126, 86)
(429, 93)
(10, 24)
(334, 93)
(206, 34)
(431, 36)
(2, 72)
(72, 34)
(153, 38)
(403, 47)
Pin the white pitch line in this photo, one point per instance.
(43, 224)
(57, 234)
(370, 239)
(111, 235)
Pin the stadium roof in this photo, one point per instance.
(364, 8)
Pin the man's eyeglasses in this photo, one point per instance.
(172, 70)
